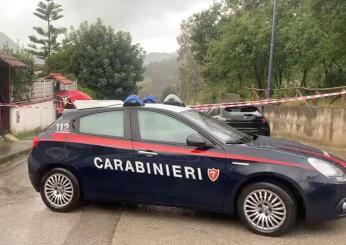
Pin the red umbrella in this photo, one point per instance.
(73, 95)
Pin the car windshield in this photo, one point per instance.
(220, 130)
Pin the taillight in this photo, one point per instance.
(35, 142)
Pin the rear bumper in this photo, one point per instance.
(34, 172)
(263, 130)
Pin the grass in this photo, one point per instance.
(26, 135)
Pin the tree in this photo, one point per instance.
(47, 43)
(101, 59)
(196, 33)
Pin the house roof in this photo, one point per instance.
(59, 78)
(11, 61)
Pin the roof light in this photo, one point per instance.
(150, 99)
(133, 100)
(172, 99)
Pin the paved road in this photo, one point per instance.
(25, 220)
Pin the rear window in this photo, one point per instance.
(241, 109)
(105, 123)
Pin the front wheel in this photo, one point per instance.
(267, 209)
(60, 190)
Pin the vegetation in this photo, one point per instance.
(42, 47)
(29, 135)
(22, 78)
(226, 47)
(101, 59)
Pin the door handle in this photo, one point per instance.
(147, 153)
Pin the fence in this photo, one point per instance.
(257, 94)
(42, 89)
(45, 88)
(71, 86)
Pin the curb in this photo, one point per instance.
(9, 157)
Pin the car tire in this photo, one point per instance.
(60, 190)
(267, 209)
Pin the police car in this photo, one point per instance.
(177, 156)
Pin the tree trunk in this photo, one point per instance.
(305, 75)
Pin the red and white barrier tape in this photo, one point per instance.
(206, 107)
(30, 104)
(24, 106)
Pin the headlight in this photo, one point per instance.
(328, 169)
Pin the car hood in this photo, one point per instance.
(293, 148)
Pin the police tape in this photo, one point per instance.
(28, 104)
(23, 106)
(205, 107)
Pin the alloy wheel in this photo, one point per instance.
(265, 210)
(58, 189)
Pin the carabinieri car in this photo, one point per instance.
(176, 156)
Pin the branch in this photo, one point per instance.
(55, 16)
(42, 5)
(40, 31)
(38, 41)
(41, 11)
(43, 17)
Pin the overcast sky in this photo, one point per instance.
(154, 24)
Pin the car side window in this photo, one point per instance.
(104, 123)
(159, 127)
(214, 112)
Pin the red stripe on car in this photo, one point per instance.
(137, 145)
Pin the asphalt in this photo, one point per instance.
(25, 220)
(11, 150)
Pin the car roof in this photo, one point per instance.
(172, 108)
(88, 104)
(94, 108)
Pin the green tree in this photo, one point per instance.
(47, 43)
(329, 16)
(196, 33)
(101, 59)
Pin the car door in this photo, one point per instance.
(175, 172)
(98, 143)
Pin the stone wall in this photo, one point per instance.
(322, 125)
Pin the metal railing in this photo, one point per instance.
(42, 89)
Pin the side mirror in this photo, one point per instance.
(196, 140)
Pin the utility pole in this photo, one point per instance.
(271, 56)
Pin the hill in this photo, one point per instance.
(160, 74)
(5, 40)
(157, 57)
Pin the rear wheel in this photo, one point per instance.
(60, 190)
(267, 209)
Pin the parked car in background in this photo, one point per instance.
(247, 119)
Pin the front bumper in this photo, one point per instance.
(324, 201)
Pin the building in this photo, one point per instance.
(8, 65)
(24, 116)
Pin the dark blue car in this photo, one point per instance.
(175, 156)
